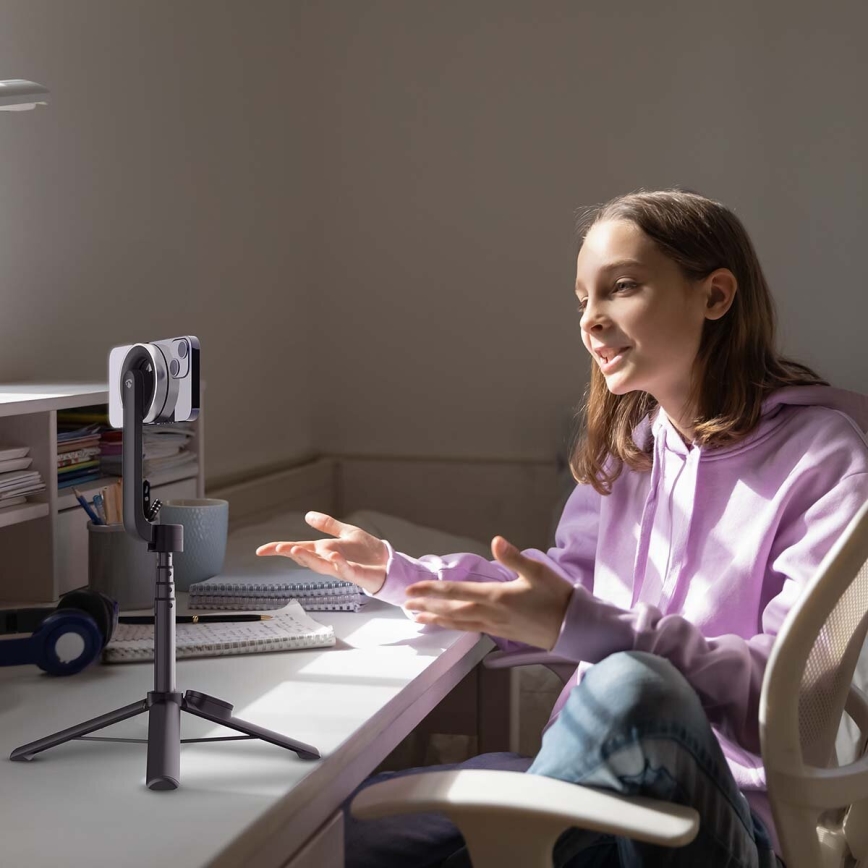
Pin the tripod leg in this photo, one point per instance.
(218, 711)
(164, 741)
(27, 751)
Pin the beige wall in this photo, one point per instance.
(365, 209)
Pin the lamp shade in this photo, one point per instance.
(16, 94)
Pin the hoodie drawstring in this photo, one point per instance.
(687, 483)
(681, 529)
(648, 511)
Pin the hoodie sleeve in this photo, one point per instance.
(571, 557)
(726, 671)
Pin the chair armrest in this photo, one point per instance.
(562, 667)
(513, 802)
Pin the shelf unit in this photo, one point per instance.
(43, 543)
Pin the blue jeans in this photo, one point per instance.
(633, 726)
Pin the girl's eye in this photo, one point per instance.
(621, 285)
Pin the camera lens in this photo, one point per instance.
(182, 349)
(174, 367)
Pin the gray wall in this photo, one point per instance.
(365, 209)
(163, 191)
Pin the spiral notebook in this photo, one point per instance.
(287, 630)
(315, 593)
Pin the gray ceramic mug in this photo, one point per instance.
(120, 566)
(206, 525)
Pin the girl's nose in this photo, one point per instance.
(592, 317)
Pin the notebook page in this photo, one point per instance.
(288, 629)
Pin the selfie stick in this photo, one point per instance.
(164, 704)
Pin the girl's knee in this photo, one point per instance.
(636, 685)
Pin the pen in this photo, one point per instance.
(99, 508)
(193, 619)
(93, 516)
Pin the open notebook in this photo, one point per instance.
(288, 629)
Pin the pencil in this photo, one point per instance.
(194, 619)
(92, 515)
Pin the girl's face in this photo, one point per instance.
(641, 317)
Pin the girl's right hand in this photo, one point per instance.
(353, 556)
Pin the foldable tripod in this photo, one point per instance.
(163, 704)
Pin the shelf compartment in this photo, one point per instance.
(66, 499)
(43, 542)
(23, 512)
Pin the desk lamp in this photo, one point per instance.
(18, 95)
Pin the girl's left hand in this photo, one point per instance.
(528, 609)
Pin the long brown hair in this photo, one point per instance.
(737, 365)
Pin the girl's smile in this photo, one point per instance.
(610, 357)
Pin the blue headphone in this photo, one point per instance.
(65, 639)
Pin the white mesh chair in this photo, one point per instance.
(821, 811)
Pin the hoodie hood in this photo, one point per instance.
(676, 465)
(851, 404)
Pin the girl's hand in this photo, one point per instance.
(354, 556)
(528, 609)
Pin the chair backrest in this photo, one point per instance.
(806, 686)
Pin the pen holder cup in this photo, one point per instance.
(120, 566)
(206, 525)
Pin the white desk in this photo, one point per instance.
(241, 804)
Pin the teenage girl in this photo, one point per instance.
(713, 476)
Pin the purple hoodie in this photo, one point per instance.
(700, 559)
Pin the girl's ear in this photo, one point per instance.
(720, 289)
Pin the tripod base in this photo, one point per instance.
(164, 725)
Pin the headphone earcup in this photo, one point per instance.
(101, 608)
(66, 642)
(111, 610)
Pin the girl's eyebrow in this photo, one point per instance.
(613, 266)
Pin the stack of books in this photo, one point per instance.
(89, 448)
(78, 438)
(16, 480)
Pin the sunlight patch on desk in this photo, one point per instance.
(380, 631)
(399, 664)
